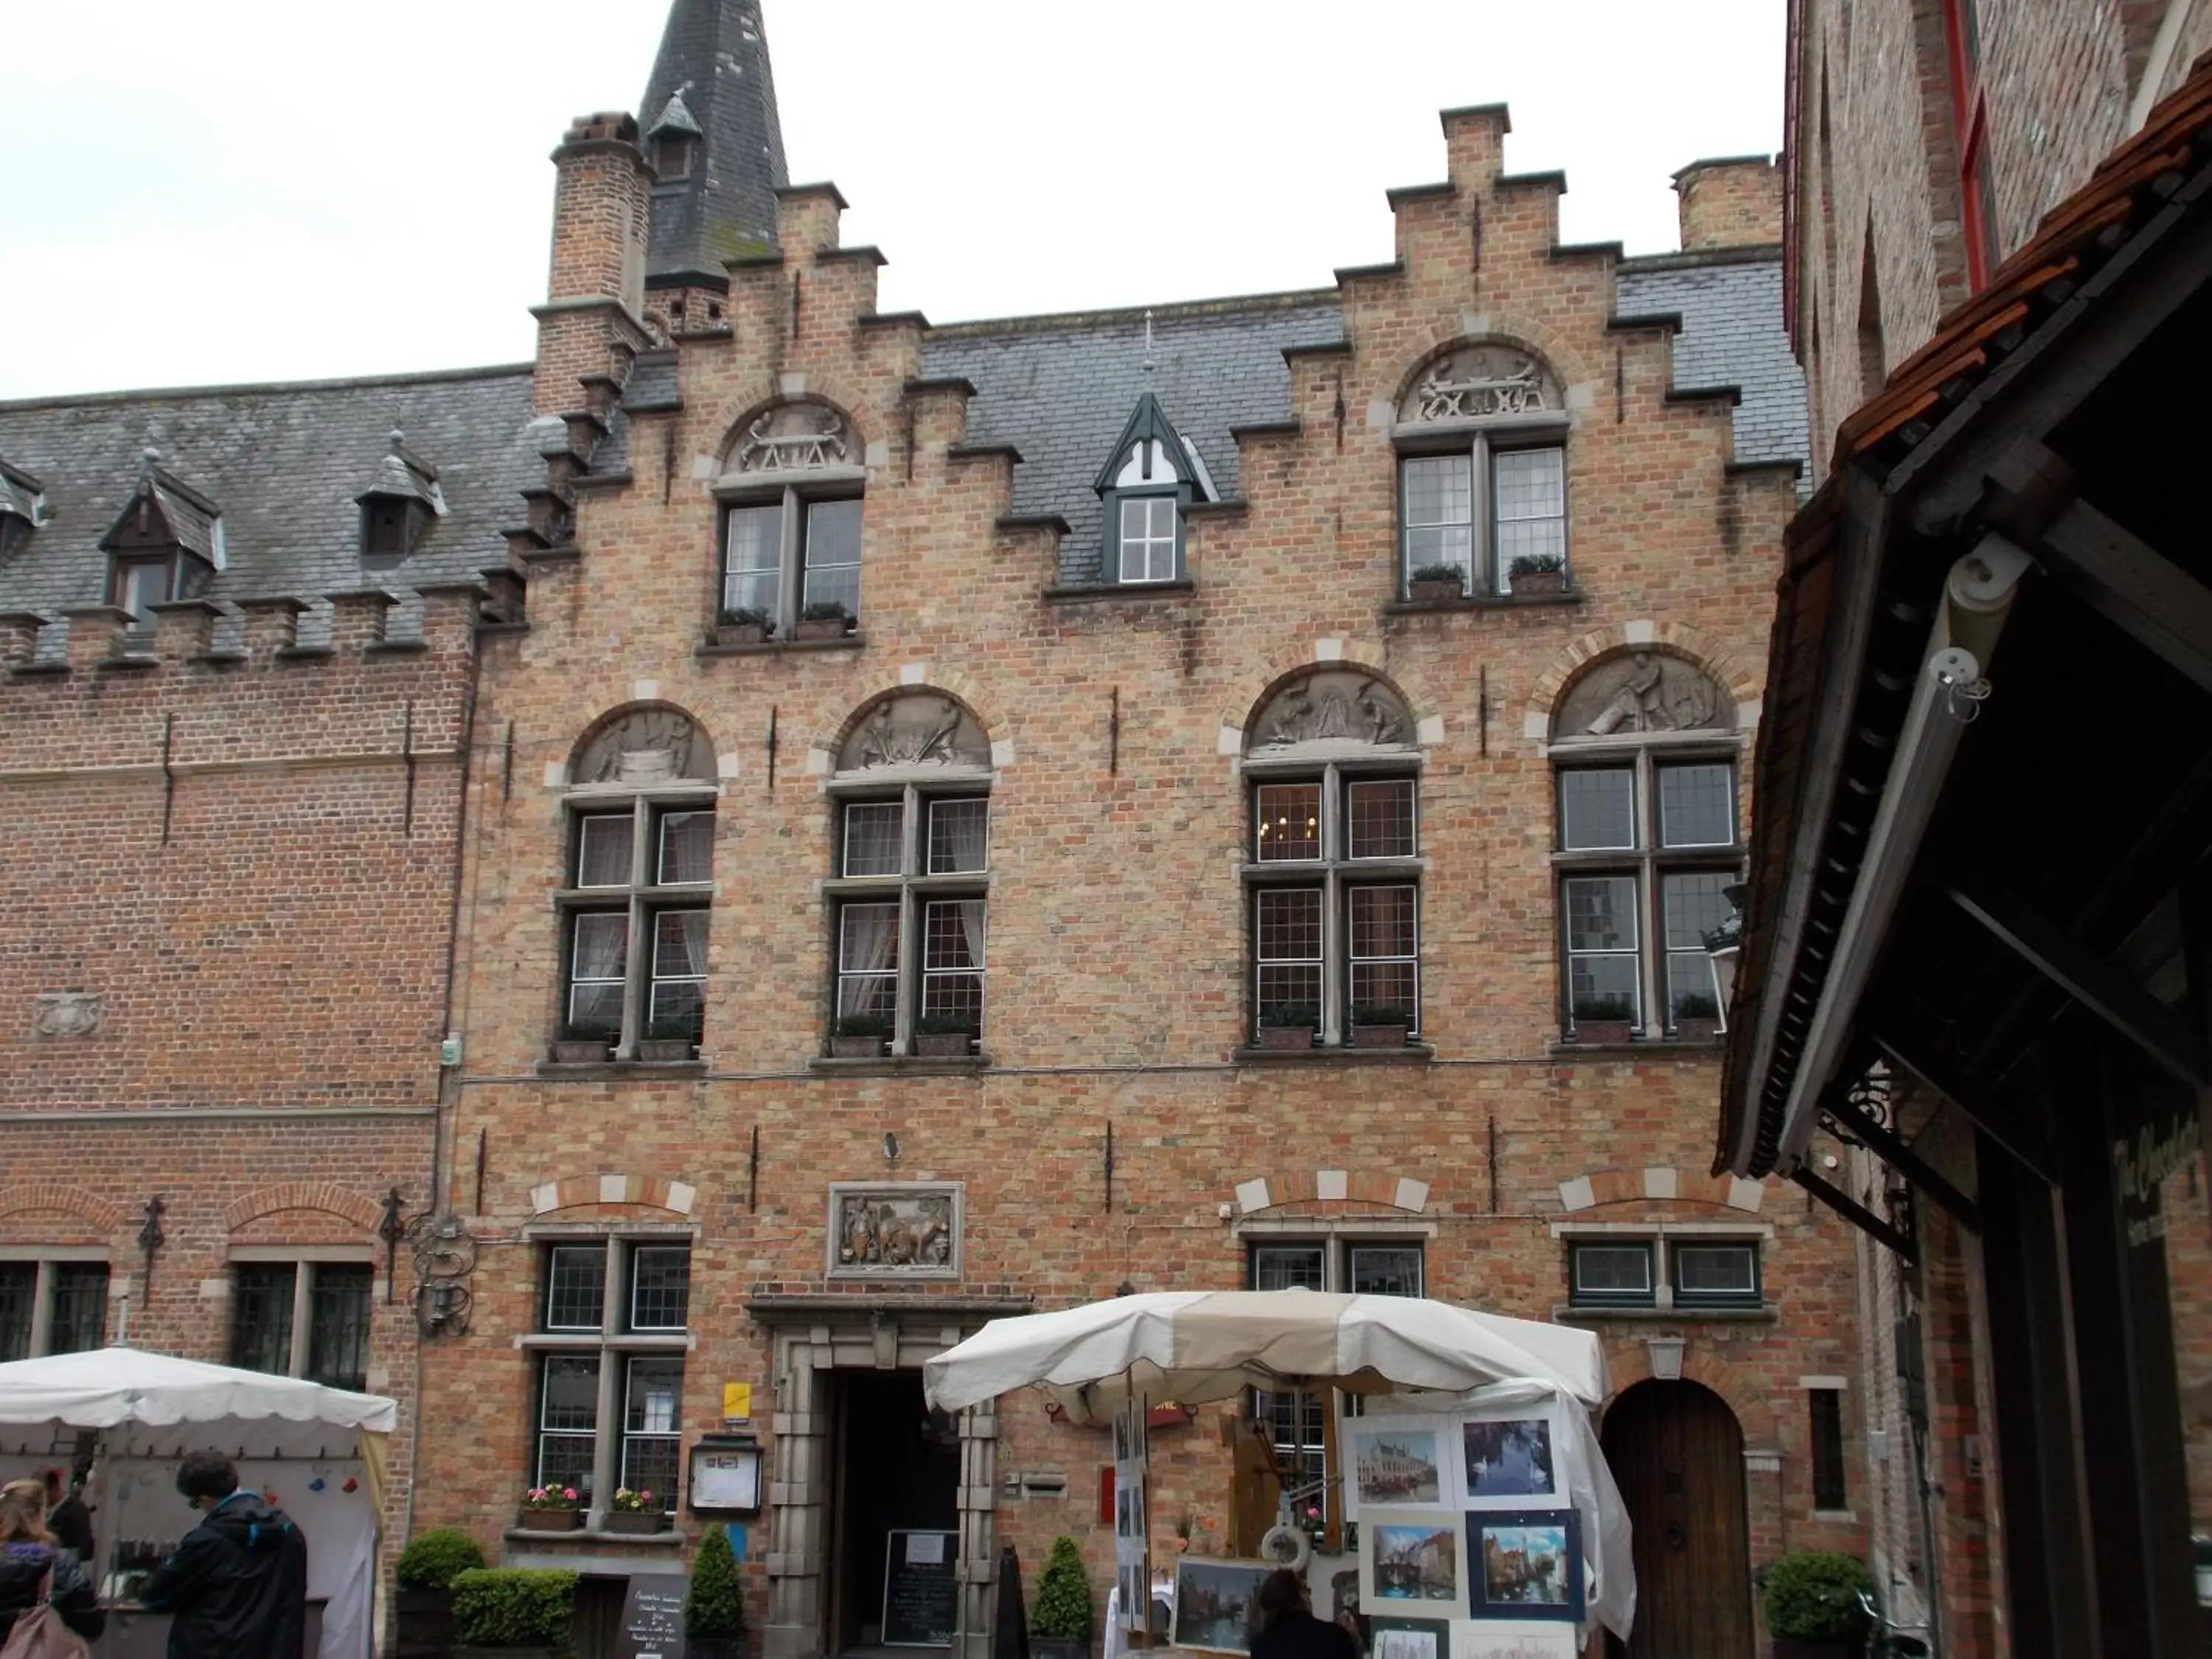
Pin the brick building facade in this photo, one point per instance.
(1937, 150)
(823, 985)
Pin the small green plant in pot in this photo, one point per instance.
(669, 1039)
(715, 1608)
(636, 1512)
(1059, 1623)
(1288, 1024)
(1812, 1604)
(1602, 1018)
(858, 1036)
(824, 619)
(744, 625)
(1696, 1017)
(423, 1608)
(1537, 573)
(514, 1611)
(1380, 1025)
(1436, 584)
(943, 1037)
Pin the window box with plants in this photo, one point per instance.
(943, 1037)
(517, 1612)
(1378, 1026)
(1537, 573)
(634, 1512)
(1061, 1622)
(1604, 1019)
(1289, 1026)
(1812, 1604)
(858, 1036)
(1697, 1017)
(743, 626)
(1436, 584)
(825, 619)
(582, 1046)
(423, 1605)
(550, 1509)
(715, 1608)
(669, 1040)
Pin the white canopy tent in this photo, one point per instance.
(150, 1409)
(1196, 1346)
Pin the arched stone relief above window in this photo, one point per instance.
(1333, 709)
(920, 729)
(1481, 382)
(797, 437)
(644, 747)
(1643, 691)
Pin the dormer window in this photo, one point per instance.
(671, 154)
(1153, 475)
(167, 544)
(21, 507)
(401, 503)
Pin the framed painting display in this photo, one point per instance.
(1510, 1462)
(1399, 1462)
(1409, 1560)
(1488, 1639)
(1217, 1604)
(1526, 1564)
(1393, 1638)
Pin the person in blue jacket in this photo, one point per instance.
(237, 1585)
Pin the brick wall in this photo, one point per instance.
(1737, 202)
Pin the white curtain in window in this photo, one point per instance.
(601, 943)
(961, 828)
(971, 925)
(688, 959)
(870, 937)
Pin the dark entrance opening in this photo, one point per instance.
(898, 1469)
(1677, 1455)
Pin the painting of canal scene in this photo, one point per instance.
(1217, 1608)
(1526, 1565)
(1409, 1558)
(1510, 1459)
(1393, 1465)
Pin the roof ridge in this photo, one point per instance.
(143, 394)
(1284, 300)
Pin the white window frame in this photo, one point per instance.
(1153, 546)
(640, 899)
(1485, 573)
(795, 565)
(1662, 1239)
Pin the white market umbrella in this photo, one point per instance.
(1194, 1346)
(111, 1388)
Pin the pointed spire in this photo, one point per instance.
(711, 100)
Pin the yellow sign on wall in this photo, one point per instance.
(737, 1402)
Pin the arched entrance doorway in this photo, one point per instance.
(1677, 1455)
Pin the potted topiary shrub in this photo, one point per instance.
(1436, 584)
(1604, 1018)
(550, 1509)
(858, 1036)
(744, 625)
(1288, 1025)
(943, 1037)
(1696, 1017)
(518, 1613)
(1380, 1026)
(1812, 1602)
(824, 619)
(635, 1512)
(669, 1039)
(423, 1605)
(1537, 573)
(715, 1609)
(1059, 1623)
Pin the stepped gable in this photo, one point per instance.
(1060, 390)
(284, 464)
(1730, 304)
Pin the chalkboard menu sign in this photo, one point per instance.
(920, 1598)
(652, 1617)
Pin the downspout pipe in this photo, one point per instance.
(1977, 595)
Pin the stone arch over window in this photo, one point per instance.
(914, 727)
(1320, 708)
(327, 1197)
(1637, 690)
(1480, 378)
(791, 435)
(1623, 640)
(790, 477)
(58, 1197)
(640, 745)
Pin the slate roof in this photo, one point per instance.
(1732, 335)
(1060, 389)
(283, 464)
(713, 55)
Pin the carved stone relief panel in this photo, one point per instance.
(920, 728)
(68, 1013)
(647, 746)
(1644, 692)
(795, 438)
(1482, 380)
(1336, 705)
(895, 1229)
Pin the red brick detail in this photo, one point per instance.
(1626, 1187)
(1375, 1188)
(55, 1195)
(577, 1191)
(1628, 1362)
(328, 1195)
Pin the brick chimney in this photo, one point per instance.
(1733, 202)
(595, 290)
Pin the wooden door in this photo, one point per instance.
(1677, 1455)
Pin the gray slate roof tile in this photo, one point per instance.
(1732, 335)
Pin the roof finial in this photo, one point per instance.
(396, 438)
(1148, 339)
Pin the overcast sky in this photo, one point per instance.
(204, 192)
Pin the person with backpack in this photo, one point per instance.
(237, 1584)
(40, 1583)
